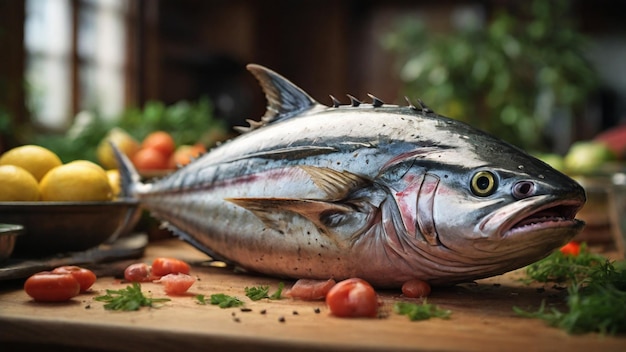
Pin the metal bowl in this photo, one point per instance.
(8, 235)
(57, 227)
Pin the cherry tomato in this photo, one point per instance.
(150, 159)
(138, 272)
(176, 284)
(352, 298)
(47, 286)
(310, 290)
(572, 248)
(160, 141)
(85, 277)
(416, 288)
(163, 266)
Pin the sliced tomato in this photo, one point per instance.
(48, 286)
(162, 266)
(416, 288)
(138, 272)
(352, 298)
(176, 284)
(310, 290)
(85, 277)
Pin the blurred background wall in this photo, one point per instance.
(60, 57)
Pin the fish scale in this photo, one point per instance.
(382, 192)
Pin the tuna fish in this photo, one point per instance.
(383, 192)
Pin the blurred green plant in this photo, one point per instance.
(187, 122)
(509, 78)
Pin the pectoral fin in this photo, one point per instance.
(318, 212)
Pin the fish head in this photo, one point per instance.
(497, 213)
(488, 209)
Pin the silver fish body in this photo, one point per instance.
(381, 192)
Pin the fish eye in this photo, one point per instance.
(483, 183)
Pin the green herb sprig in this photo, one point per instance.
(596, 291)
(422, 311)
(559, 267)
(128, 299)
(221, 300)
(260, 292)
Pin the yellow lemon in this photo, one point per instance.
(32, 158)
(124, 142)
(114, 181)
(88, 164)
(17, 184)
(75, 182)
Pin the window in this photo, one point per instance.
(75, 53)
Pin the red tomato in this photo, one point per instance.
(163, 266)
(47, 286)
(176, 284)
(310, 290)
(352, 298)
(150, 159)
(138, 272)
(160, 141)
(85, 277)
(572, 248)
(416, 288)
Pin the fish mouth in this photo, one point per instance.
(546, 213)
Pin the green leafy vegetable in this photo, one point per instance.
(279, 292)
(225, 301)
(422, 311)
(260, 292)
(257, 293)
(559, 267)
(504, 68)
(128, 299)
(201, 299)
(596, 294)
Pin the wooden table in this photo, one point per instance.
(482, 319)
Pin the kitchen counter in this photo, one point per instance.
(482, 319)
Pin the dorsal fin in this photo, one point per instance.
(284, 99)
(354, 101)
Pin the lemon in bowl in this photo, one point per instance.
(75, 182)
(17, 184)
(33, 158)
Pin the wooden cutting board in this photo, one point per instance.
(482, 319)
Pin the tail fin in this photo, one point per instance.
(129, 177)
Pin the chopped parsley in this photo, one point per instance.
(200, 299)
(223, 301)
(420, 311)
(260, 292)
(128, 299)
(257, 293)
(596, 292)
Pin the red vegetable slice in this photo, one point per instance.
(572, 248)
(85, 277)
(416, 288)
(138, 272)
(47, 286)
(163, 266)
(352, 298)
(310, 290)
(176, 284)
